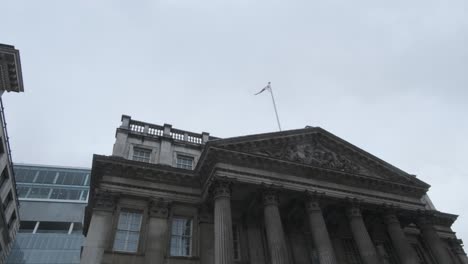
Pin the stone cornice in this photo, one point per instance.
(306, 171)
(120, 167)
(276, 138)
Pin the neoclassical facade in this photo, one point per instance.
(291, 197)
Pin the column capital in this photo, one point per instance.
(159, 208)
(105, 201)
(390, 218)
(425, 221)
(353, 211)
(221, 188)
(314, 200)
(270, 196)
(353, 208)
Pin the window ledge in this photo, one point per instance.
(124, 253)
(183, 257)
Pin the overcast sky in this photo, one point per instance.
(388, 76)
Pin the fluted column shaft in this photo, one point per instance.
(402, 247)
(433, 241)
(274, 229)
(224, 246)
(320, 234)
(361, 236)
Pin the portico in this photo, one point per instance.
(292, 197)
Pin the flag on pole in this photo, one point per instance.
(264, 89)
(268, 87)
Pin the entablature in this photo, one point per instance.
(309, 173)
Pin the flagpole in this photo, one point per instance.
(274, 105)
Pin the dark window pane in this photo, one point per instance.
(78, 178)
(22, 191)
(40, 193)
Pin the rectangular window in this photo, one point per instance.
(181, 237)
(25, 174)
(84, 195)
(12, 220)
(39, 193)
(4, 176)
(127, 234)
(184, 162)
(71, 178)
(65, 194)
(141, 154)
(22, 191)
(236, 241)
(2, 148)
(8, 200)
(45, 177)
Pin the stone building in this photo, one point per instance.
(10, 81)
(297, 196)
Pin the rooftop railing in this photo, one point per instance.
(166, 130)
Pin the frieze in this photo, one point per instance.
(159, 208)
(105, 201)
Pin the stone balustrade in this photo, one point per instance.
(166, 130)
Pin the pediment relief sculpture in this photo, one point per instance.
(317, 151)
(312, 154)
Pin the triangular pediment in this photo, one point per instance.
(319, 148)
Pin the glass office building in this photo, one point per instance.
(52, 203)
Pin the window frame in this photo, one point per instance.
(4, 176)
(171, 235)
(132, 205)
(141, 148)
(116, 229)
(184, 155)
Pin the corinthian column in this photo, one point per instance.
(319, 231)
(274, 228)
(433, 240)
(361, 236)
(157, 232)
(402, 247)
(223, 245)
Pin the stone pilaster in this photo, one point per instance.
(274, 228)
(402, 247)
(224, 246)
(206, 225)
(157, 231)
(361, 236)
(433, 240)
(319, 231)
(99, 234)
